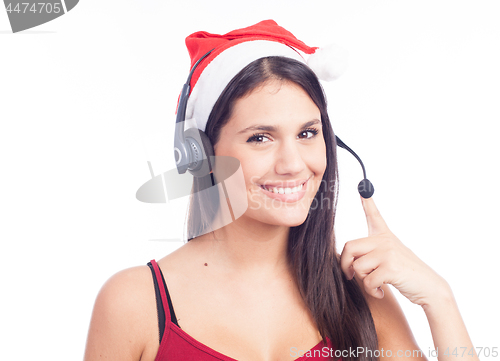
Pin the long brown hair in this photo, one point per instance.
(337, 305)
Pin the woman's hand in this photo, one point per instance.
(381, 258)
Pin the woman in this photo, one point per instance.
(270, 285)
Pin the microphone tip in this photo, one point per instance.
(365, 188)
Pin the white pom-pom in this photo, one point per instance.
(328, 62)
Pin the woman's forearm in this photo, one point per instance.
(451, 339)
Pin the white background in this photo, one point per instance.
(87, 99)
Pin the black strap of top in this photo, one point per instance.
(159, 303)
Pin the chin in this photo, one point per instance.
(292, 218)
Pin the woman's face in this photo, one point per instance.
(276, 134)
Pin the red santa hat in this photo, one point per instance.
(238, 48)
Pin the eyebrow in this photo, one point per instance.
(271, 128)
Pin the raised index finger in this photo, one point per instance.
(376, 223)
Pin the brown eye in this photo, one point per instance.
(258, 138)
(314, 132)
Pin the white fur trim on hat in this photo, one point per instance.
(222, 69)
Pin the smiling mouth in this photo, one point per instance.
(278, 190)
(285, 190)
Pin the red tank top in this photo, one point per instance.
(177, 345)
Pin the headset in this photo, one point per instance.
(192, 148)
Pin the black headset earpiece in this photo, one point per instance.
(201, 150)
(192, 148)
(365, 187)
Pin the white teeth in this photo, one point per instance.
(285, 190)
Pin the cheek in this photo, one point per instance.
(252, 171)
(316, 159)
(317, 163)
(252, 167)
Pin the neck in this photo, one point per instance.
(246, 248)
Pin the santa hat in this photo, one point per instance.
(238, 48)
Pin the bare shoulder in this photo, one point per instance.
(182, 260)
(123, 317)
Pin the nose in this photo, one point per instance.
(289, 158)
